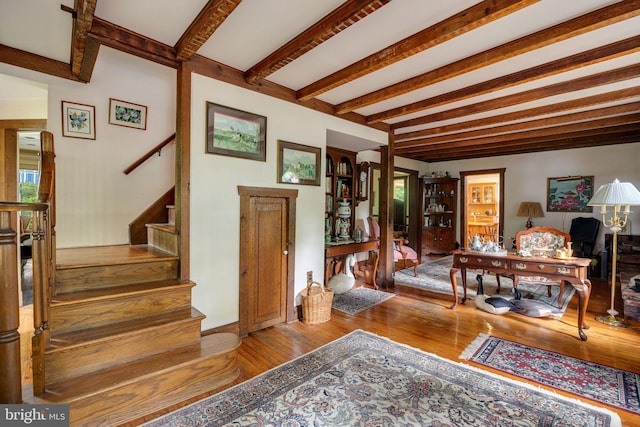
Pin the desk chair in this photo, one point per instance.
(541, 241)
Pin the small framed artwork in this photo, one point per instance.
(569, 194)
(78, 120)
(236, 133)
(298, 164)
(127, 114)
(363, 181)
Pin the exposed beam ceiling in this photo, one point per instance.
(450, 80)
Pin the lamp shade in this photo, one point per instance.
(530, 210)
(616, 193)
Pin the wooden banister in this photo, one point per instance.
(43, 258)
(151, 152)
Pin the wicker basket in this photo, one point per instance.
(316, 304)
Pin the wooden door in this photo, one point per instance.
(266, 260)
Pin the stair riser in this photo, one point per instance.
(95, 277)
(86, 314)
(163, 239)
(134, 400)
(80, 360)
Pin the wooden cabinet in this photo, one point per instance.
(439, 207)
(628, 253)
(340, 190)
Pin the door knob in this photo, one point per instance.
(285, 252)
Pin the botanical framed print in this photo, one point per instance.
(78, 120)
(236, 133)
(569, 194)
(127, 114)
(298, 164)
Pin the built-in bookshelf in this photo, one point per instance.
(340, 189)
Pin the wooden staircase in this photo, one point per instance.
(124, 338)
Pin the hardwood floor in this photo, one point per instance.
(424, 321)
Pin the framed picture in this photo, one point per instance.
(298, 164)
(236, 133)
(78, 120)
(569, 194)
(127, 114)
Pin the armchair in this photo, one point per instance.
(401, 252)
(584, 232)
(540, 241)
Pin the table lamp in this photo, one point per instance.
(530, 210)
(615, 195)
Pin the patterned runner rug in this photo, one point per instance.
(359, 299)
(586, 379)
(434, 276)
(362, 379)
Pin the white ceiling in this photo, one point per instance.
(258, 27)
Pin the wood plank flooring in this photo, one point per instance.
(424, 320)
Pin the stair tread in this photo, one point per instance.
(108, 255)
(163, 226)
(72, 389)
(113, 331)
(110, 292)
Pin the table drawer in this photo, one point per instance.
(480, 262)
(543, 268)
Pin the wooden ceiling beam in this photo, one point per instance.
(336, 21)
(591, 21)
(589, 101)
(506, 138)
(623, 110)
(31, 61)
(583, 59)
(212, 15)
(454, 26)
(610, 137)
(84, 52)
(586, 82)
(124, 40)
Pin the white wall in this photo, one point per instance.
(215, 204)
(526, 180)
(95, 200)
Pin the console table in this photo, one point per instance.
(572, 270)
(335, 250)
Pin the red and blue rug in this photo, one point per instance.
(601, 383)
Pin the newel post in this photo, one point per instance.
(10, 372)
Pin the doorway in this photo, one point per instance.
(482, 205)
(267, 257)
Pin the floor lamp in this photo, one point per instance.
(615, 195)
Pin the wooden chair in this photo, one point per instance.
(540, 241)
(401, 252)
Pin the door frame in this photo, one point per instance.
(246, 193)
(463, 200)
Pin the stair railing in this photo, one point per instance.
(43, 258)
(154, 150)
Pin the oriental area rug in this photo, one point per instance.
(604, 384)
(356, 300)
(434, 276)
(362, 379)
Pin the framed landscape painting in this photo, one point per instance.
(569, 194)
(298, 164)
(236, 133)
